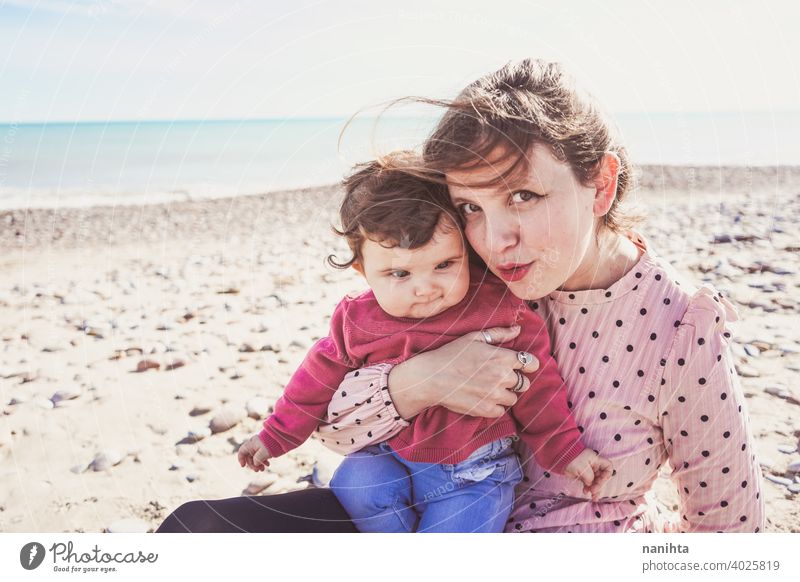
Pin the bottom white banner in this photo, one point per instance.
(354, 557)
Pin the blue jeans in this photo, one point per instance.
(382, 492)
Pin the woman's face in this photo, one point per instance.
(535, 232)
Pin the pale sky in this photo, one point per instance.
(170, 59)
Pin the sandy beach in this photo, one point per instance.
(141, 345)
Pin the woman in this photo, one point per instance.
(538, 176)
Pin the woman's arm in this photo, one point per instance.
(705, 425)
(466, 375)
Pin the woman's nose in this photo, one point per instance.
(503, 233)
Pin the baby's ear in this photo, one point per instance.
(358, 267)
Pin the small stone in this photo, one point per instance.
(752, 350)
(789, 348)
(227, 418)
(778, 390)
(78, 469)
(246, 348)
(69, 393)
(746, 371)
(258, 408)
(129, 525)
(779, 480)
(45, 403)
(298, 344)
(794, 487)
(191, 478)
(53, 348)
(175, 364)
(794, 467)
(17, 400)
(766, 463)
(260, 483)
(201, 408)
(787, 449)
(145, 365)
(198, 434)
(105, 460)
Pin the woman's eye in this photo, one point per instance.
(524, 196)
(444, 265)
(468, 208)
(400, 274)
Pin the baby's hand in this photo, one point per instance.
(254, 454)
(592, 469)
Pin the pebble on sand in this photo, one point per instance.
(145, 365)
(779, 480)
(258, 408)
(69, 393)
(105, 460)
(175, 364)
(129, 525)
(198, 434)
(260, 483)
(228, 417)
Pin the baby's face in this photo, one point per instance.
(421, 282)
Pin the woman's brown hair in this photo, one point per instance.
(523, 104)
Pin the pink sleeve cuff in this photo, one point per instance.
(568, 456)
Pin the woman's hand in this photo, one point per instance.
(468, 376)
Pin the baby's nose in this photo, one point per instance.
(423, 289)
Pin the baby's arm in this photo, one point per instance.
(304, 403)
(361, 412)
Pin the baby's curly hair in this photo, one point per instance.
(395, 201)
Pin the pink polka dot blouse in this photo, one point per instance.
(652, 387)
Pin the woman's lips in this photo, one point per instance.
(513, 271)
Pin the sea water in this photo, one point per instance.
(140, 162)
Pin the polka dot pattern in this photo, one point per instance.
(641, 407)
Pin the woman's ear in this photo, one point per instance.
(606, 184)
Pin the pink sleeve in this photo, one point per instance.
(542, 415)
(304, 402)
(361, 412)
(705, 425)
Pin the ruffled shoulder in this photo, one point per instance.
(708, 310)
(703, 335)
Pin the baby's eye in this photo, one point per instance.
(524, 196)
(399, 274)
(444, 265)
(468, 208)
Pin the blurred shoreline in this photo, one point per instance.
(72, 227)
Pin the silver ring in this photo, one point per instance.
(486, 336)
(524, 358)
(520, 382)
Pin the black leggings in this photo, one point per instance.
(303, 511)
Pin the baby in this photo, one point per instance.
(445, 472)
